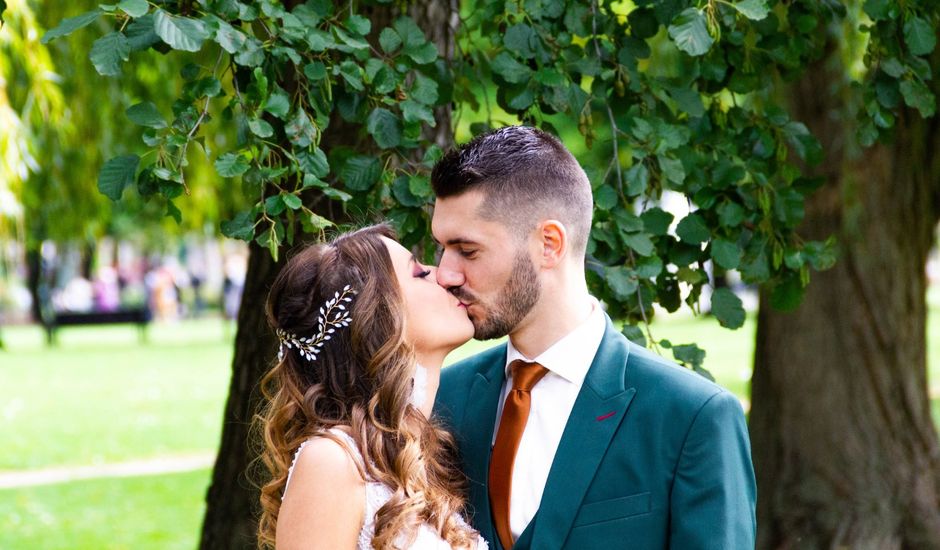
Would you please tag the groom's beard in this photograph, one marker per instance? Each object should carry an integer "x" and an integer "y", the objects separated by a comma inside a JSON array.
[{"x": 514, "y": 301}]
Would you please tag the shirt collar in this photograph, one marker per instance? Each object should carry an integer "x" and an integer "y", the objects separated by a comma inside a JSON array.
[{"x": 572, "y": 355}]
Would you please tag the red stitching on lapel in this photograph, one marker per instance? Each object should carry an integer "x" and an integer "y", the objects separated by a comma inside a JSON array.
[{"x": 606, "y": 416}]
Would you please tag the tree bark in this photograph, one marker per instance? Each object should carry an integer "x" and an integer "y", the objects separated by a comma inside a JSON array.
[
  {"x": 845, "y": 449},
  {"x": 233, "y": 505},
  {"x": 232, "y": 500}
]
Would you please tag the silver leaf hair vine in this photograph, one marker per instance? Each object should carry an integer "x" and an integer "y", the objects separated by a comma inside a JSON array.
[{"x": 334, "y": 314}]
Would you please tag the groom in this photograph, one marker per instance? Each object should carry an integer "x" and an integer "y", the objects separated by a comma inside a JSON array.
[{"x": 571, "y": 436}]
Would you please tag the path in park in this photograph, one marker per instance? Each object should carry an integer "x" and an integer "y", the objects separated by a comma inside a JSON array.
[{"x": 65, "y": 474}]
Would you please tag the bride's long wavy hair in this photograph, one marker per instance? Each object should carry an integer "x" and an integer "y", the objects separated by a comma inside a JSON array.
[{"x": 361, "y": 379}]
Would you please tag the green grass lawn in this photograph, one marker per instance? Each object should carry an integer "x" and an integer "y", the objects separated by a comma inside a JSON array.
[
  {"x": 153, "y": 512},
  {"x": 101, "y": 396}
]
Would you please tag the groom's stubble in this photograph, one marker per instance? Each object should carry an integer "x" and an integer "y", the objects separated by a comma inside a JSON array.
[{"x": 513, "y": 302}]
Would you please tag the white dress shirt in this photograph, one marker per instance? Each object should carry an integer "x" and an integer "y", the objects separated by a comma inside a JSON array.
[{"x": 568, "y": 361}]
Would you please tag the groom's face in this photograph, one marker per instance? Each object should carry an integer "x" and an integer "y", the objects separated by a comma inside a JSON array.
[{"x": 484, "y": 265}]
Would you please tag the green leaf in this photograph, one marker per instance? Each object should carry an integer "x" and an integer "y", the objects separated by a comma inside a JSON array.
[
  {"x": 260, "y": 128},
  {"x": 360, "y": 173},
  {"x": 401, "y": 190},
  {"x": 174, "y": 212},
  {"x": 788, "y": 294},
  {"x": 727, "y": 308},
  {"x": 292, "y": 201},
  {"x": 384, "y": 127},
  {"x": 389, "y": 40},
  {"x": 70, "y": 25},
  {"x": 140, "y": 34},
  {"x": 920, "y": 36},
  {"x": 314, "y": 163},
  {"x": 879, "y": 9},
  {"x": 656, "y": 221},
  {"x": 919, "y": 96},
  {"x": 692, "y": 229},
  {"x": 230, "y": 165},
  {"x": 242, "y": 226},
  {"x": 605, "y": 197},
  {"x": 146, "y": 114},
  {"x": 181, "y": 33},
  {"x": 134, "y": 8},
  {"x": 108, "y": 52},
  {"x": 278, "y": 104},
  {"x": 510, "y": 69},
  {"x": 640, "y": 242},
  {"x": 647, "y": 268},
  {"x": 316, "y": 222},
  {"x": 672, "y": 169},
  {"x": 521, "y": 39},
  {"x": 315, "y": 71},
  {"x": 726, "y": 254},
  {"x": 690, "y": 33},
  {"x": 300, "y": 130},
  {"x": 752, "y": 9},
  {"x": 622, "y": 281},
  {"x": 730, "y": 214},
  {"x": 116, "y": 174},
  {"x": 634, "y": 334},
  {"x": 420, "y": 186},
  {"x": 637, "y": 178},
  {"x": 424, "y": 90},
  {"x": 412, "y": 111},
  {"x": 359, "y": 24},
  {"x": 689, "y": 355},
  {"x": 352, "y": 74},
  {"x": 423, "y": 54},
  {"x": 231, "y": 39}
]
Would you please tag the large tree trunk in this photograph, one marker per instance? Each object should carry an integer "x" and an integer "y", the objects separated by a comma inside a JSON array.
[
  {"x": 233, "y": 505},
  {"x": 232, "y": 500},
  {"x": 845, "y": 450}
]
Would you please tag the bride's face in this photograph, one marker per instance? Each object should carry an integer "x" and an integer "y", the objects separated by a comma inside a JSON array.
[{"x": 435, "y": 320}]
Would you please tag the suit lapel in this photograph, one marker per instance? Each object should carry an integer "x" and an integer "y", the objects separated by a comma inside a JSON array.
[
  {"x": 477, "y": 430},
  {"x": 595, "y": 417}
]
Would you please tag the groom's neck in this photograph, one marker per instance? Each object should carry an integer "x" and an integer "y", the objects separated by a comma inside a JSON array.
[{"x": 563, "y": 305}]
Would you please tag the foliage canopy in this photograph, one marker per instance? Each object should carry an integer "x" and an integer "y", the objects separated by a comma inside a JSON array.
[{"x": 669, "y": 95}]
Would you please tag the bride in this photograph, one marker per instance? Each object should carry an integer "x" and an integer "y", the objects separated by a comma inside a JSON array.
[{"x": 355, "y": 460}]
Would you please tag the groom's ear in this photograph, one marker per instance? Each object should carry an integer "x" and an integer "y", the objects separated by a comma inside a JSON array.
[{"x": 553, "y": 241}]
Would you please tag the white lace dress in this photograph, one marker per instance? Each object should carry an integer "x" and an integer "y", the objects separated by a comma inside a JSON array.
[{"x": 377, "y": 494}]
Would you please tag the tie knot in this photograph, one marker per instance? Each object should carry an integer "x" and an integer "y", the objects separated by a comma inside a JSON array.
[{"x": 526, "y": 375}]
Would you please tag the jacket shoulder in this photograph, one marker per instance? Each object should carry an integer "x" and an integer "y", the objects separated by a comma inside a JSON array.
[{"x": 458, "y": 378}]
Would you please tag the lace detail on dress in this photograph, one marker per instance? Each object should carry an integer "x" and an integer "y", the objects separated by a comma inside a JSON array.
[{"x": 377, "y": 494}]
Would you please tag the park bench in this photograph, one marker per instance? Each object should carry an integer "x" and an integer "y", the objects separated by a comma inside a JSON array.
[{"x": 139, "y": 316}]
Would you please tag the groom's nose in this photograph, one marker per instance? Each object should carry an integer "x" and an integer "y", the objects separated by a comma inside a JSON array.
[{"x": 448, "y": 273}]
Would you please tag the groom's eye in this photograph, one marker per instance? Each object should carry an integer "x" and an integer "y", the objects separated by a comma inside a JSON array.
[{"x": 468, "y": 254}]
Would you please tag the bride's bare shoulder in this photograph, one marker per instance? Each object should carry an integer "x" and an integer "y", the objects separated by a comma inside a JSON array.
[{"x": 324, "y": 500}]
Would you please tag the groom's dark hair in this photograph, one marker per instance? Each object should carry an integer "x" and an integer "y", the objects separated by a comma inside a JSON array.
[{"x": 525, "y": 175}]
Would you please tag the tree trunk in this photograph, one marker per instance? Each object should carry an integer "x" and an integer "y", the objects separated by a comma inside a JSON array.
[
  {"x": 232, "y": 500},
  {"x": 233, "y": 505},
  {"x": 845, "y": 450}
]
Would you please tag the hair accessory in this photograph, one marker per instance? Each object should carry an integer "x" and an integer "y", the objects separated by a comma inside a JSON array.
[{"x": 333, "y": 315}]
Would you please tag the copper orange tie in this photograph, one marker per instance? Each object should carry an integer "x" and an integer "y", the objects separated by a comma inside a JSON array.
[{"x": 511, "y": 425}]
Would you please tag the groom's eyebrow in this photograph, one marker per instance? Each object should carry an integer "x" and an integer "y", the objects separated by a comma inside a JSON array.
[{"x": 455, "y": 240}]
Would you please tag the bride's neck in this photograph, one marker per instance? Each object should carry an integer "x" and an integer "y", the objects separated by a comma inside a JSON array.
[{"x": 432, "y": 365}]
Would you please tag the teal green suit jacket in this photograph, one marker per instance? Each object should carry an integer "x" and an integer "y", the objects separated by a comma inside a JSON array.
[{"x": 653, "y": 455}]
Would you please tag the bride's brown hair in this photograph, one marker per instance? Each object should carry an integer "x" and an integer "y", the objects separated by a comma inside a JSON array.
[{"x": 361, "y": 379}]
